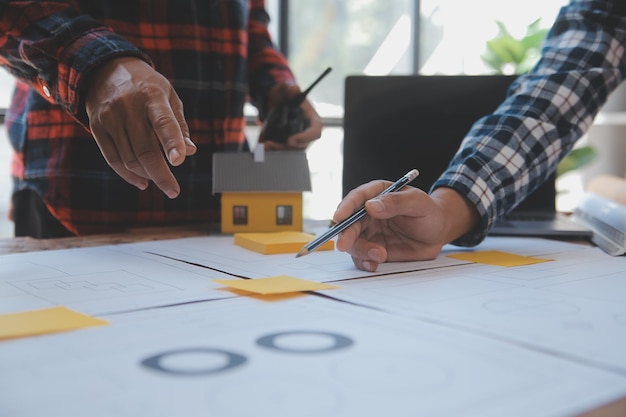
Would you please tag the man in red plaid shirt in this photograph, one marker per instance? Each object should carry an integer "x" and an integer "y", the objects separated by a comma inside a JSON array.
[{"x": 102, "y": 140}]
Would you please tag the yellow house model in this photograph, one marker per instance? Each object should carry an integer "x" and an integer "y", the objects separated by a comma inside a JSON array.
[{"x": 261, "y": 192}]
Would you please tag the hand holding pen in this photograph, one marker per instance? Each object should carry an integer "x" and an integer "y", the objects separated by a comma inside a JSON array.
[{"x": 341, "y": 226}]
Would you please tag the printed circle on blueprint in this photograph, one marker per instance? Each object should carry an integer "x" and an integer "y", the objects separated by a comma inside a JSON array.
[
  {"x": 305, "y": 341},
  {"x": 194, "y": 362}
]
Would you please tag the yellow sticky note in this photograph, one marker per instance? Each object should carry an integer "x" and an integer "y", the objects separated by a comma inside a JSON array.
[
  {"x": 494, "y": 257},
  {"x": 275, "y": 285},
  {"x": 277, "y": 242},
  {"x": 265, "y": 297},
  {"x": 49, "y": 320}
]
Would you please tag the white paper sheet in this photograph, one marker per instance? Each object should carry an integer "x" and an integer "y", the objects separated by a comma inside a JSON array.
[
  {"x": 574, "y": 305},
  {"x": 100, "y": 280},
  {"x": 303, "y": 357},
  {"x": 221, "y": 254}
]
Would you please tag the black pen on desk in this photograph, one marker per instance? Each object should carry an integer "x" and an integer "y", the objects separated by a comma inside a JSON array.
[{"x": 356, "y": 216}]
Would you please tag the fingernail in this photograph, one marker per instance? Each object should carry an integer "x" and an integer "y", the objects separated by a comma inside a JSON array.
[
  {"x": 375, "y": 255},
  {"x": 369, "y": 266},
  {"x": 174, "y": 155},
  {"x": 142, "y": 185},
  {"x": 189, "y": 143},
  {"x": 171, "y": 193},
  {"x": 376, "y": 204}
]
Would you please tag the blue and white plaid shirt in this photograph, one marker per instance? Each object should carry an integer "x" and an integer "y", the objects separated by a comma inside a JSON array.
[{"x": 509, "y": 153}]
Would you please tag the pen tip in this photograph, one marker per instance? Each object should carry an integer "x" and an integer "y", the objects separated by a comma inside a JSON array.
[{"x": 303, "y": 251}]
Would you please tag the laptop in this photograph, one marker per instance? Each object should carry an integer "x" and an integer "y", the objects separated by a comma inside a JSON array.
[{"x": 398, "y": 122}]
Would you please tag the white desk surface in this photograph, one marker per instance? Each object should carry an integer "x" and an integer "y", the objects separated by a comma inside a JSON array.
[{"x": 439, "y": 338}]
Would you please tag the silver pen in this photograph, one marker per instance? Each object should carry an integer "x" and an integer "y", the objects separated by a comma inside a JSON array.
[{"x": 357, "y": 215}]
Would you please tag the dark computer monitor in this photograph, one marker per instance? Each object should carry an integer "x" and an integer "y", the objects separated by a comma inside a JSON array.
[{"x": 395, "y": 123}]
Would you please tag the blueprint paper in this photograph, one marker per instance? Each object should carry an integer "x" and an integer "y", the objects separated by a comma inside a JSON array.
[
  {"x": 574, "y": 305},
  {"x": 221, "y": 254},
  {"x": 306, "y": 357},
  {"x": 100, "y": 280}
]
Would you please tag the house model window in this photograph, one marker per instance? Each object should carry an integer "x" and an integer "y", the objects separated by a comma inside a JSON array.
[
  {"x": 240, "y": 215},
  {"x": 284, "y": 215}
]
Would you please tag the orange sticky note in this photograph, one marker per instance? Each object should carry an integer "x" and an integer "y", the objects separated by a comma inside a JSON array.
[
  {"x": 497, "y": 258},
  {"x": 277, "y": 242},
  {"x": 49, "y": 320},
  {"x": 280, "y": 284}
]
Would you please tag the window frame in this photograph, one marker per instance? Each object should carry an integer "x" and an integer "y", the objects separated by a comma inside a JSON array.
[
  {"x": 240, "y": 215},
  {"x": 283, "y": 42},
  {"x": 283, "y": 31},
  {"x": 286, "y": 217}
]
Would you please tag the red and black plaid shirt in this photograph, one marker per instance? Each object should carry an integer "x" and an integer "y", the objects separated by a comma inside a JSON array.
[{"x": 216, "y": 54}]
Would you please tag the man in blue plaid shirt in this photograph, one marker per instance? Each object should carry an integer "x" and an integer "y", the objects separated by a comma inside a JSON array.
[{"x": 506, "y": 155}]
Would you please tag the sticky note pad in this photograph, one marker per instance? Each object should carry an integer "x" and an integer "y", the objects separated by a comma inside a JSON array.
[
  {"x": 49, "y": 320},
  {"x": 494, "y": 257},
  {"x": 277, "y": 242},
  {"x": 280, "y": 284}
]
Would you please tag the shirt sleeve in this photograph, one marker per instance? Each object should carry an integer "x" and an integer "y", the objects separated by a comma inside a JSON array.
[
  {"x": 51, "y": 47},
  {"x": 508, "y": 154},
  {"x": 266, "y": 65}
]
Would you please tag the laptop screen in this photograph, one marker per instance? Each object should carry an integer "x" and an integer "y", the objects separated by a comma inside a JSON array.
[{"x": 395, "y": 123}]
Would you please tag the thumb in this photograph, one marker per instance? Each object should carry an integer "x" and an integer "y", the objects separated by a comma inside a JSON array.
[
  {"x": 376, "y": 207},
  {"x": 408, "y": 202}
]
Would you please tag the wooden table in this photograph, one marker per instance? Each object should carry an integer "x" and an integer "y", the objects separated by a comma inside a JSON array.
[
  {"x": 140, "y": 234},
  {"x": 28, "y": 244}
]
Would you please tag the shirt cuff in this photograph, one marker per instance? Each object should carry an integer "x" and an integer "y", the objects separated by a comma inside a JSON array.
[
  {"x": 477, "y": 191},
  {"x": 80, "y": 59}
]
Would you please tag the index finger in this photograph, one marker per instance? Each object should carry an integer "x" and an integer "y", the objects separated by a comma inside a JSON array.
[
  {"x": 168, "y": 130},
  {"x": 357, "y": 197},
  {"x": 149, "y": 157}
]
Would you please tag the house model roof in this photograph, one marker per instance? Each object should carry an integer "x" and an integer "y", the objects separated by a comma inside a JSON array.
[{"x": 279, "y": 171}]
